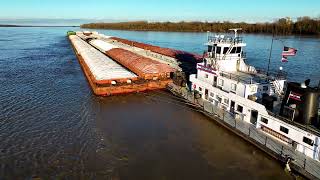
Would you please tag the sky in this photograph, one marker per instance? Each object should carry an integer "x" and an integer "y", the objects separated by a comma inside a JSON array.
[{"x": 159, "y": 10}]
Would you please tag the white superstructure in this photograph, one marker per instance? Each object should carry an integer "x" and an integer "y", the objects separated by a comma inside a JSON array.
[{"x": 225, "y": 80}]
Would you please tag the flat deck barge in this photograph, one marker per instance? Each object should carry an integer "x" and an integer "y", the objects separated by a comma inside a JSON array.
[
  {"x": 126, "y": 73},
  {"x": 179, "y": 60}
]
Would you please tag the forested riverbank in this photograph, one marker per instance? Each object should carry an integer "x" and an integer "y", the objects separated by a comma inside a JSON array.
[{"x": 283, "y": 26}]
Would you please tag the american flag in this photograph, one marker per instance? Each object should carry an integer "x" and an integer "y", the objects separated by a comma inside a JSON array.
[
  {"x": 295, "y": 96},
  {"x": 288, "y": 51},
  {"x": 284, "y": 59}
]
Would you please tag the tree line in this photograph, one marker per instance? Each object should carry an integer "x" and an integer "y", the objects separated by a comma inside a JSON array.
[{"x": 284, "y": 26}]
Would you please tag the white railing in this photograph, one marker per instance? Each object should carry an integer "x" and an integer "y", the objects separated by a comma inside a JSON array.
[
  {"x": 302, "y": 162},
  {"x": 277, "y": 87}
]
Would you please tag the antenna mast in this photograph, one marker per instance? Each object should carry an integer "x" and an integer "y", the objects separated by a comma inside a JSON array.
[
  {"x": 270, "y": 52},
  {"x": 235, "y": 31}
]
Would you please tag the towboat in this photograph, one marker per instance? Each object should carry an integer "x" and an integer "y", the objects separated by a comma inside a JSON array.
[{"x": 287, "y": 111}]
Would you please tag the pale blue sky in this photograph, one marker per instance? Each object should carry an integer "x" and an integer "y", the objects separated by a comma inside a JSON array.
[{"x": 160, "y": 10}]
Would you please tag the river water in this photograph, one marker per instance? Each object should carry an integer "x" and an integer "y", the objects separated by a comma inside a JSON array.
[{"x": 53, "y": 127}]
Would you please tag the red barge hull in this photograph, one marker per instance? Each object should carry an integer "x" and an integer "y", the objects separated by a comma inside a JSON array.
[{"x": 106, "y": 88}]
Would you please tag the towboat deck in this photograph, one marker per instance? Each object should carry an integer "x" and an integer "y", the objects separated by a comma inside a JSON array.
[{"x": 245, "y": 77}]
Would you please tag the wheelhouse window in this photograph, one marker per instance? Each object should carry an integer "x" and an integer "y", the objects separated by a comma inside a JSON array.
[
  {"x": 308, "y": 141},
  {"x": 218, "y": 50},
  {"x": 206, "y": 76},
  {"x": 211, "y": 49},
  {"x": 236, "y": 50},
  {"x": 264, "y": 120},
  {"x": 212, "y": 94},
  {"x": 284, "y": 129},
  {"x": 265, "y": 88},
  {"x": 200, "y": 89},
  {"x": 225, "y": 50},
  {"x": 239, "y": 50},
  {"x": 239, "y": 108},
  {"x": 226, "y": 101}
]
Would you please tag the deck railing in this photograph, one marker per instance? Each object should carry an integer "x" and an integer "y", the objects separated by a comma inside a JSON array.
[
  {"x": 281, "y": 151},
  {"x": 225, "y": 39},
  {"x": 242, "y": 79},
  {"x": 307, "y": 128},
  {"x": 280, "y": 75}
]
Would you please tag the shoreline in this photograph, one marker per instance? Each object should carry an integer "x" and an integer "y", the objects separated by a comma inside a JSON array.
[
  {"x": 156, "y": 30},
  {"x": 281, "y": 26},
  {"x": 165, "y": 31},
  {"x": 8, "y": 26}
]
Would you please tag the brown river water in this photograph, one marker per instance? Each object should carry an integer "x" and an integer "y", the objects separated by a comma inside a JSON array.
[{"x": 53, "y": 127}]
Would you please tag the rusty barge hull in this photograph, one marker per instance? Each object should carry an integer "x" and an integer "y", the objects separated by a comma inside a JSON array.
[
  {"x": 109, "y": 90},
  {"x": 173, "y": 53},
  {"x": 106, "y": 88}
]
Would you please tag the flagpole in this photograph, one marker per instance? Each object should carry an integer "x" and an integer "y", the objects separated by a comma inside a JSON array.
[{"x": 270, "y": 51}]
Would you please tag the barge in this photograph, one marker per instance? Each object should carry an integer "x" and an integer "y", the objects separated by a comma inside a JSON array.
[
  {"x": 180, "y": 60},
  {"x": 145, "y": 68},
  {"x": 112, "y": 70}
]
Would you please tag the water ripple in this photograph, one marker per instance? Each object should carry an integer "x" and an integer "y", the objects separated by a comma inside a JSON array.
[{"x": 53, "y": 127}]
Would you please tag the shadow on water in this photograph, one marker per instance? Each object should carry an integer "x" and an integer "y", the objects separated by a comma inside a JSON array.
[
  {"x": 188, "y": 64},
  {"x": 155, "y": 136}
]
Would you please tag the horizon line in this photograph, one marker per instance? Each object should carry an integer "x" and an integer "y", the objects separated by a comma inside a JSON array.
[
  {"x": 150, "y": 20},
  {"x": 74, "y": 22}
]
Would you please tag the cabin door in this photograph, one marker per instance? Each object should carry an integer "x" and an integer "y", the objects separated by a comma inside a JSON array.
[
  {"x": 232, "y": 106},
  {"x": 206, "y": 94},
  {"x": 215, "y": 79},
  {"x": 254, "y": 117}
]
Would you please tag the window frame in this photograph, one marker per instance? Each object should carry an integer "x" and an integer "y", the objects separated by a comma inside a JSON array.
[
  {"x": 305, "y": 140},
  {"x": 284, "y": 129},
  {"x": 225, "y": 50},
  {"x": 221, "y": 82},
  {"x": 239, "y": 49},
  {"x": 210, "y": 48},
  {"x": 226, "y": 100},
  {"x": 219, "y": 99},
  {"x": 240, "y": 108},
  {"x": 264, "y": 120},
  {"x": 233, "y": 85},
  {"x": 218, "y": 50},
  {"x": 233, "y": 50}
]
